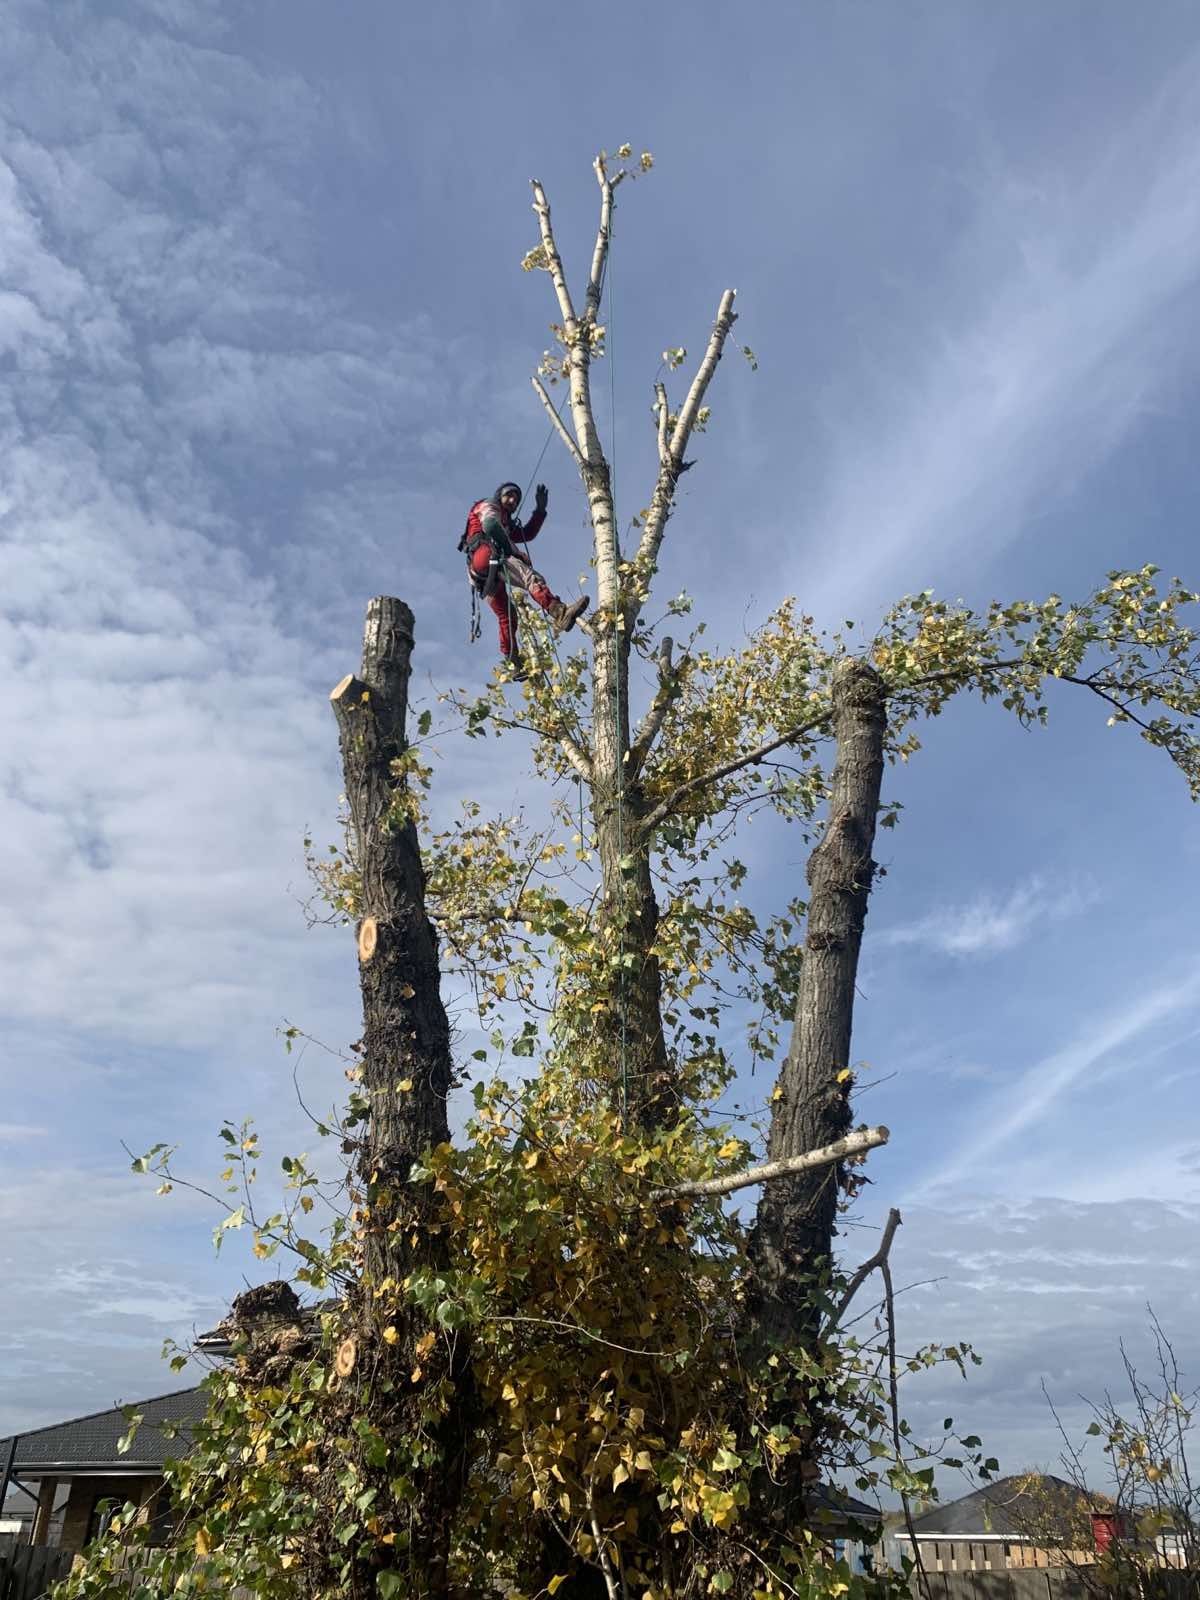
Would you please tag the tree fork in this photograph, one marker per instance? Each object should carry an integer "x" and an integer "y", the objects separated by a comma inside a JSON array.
[{"x": 406, "y": 1076}]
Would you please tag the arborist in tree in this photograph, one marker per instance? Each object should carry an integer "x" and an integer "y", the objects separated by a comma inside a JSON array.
[{"x": 495, "y": 568}]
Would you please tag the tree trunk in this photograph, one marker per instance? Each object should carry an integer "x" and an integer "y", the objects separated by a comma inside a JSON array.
[
  {"x": 641, "y": 1082},
  {"x": 795, "y": 1224},
  {"x": 406, "y": 1076}
]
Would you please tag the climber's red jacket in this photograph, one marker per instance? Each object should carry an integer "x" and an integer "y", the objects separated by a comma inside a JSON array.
[{"x": 487, "y": 520}]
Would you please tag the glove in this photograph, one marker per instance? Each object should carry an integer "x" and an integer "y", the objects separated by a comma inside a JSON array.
[{"x": 542, "y": 498}]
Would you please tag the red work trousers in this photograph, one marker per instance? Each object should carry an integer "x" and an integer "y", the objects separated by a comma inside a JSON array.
[{"x": 519, "y": 575}]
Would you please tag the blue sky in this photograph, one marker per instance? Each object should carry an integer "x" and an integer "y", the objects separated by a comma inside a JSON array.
[{"x": 264, "y": 337}]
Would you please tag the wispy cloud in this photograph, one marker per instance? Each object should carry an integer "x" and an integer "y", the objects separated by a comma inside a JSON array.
[
  {"x": 1028, "y": 1099},
  {"x": 1043, "y": 1289},
  {"x": 12, "y": 1132},
  {"x": 1053, "y": 332},
  {"x": 990, "y": 923}
]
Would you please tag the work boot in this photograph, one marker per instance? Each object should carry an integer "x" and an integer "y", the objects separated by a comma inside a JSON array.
[{"x": 564, "y": 617}]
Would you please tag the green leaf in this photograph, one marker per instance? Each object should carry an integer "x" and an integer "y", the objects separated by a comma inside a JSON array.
[{"x": 389, "y": 1584}]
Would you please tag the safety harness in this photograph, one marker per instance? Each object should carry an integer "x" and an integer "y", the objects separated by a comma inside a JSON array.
[{"x": 482, "y": 588}]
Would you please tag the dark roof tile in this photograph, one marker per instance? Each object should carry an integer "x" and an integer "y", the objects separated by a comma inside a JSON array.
[
  {"x": 91, "y": 1441},
  {"x": 1001, "y": 1507}
]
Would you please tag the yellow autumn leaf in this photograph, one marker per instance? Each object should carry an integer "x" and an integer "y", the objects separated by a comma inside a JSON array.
[
  {"x": 203, "y": 1542},
  {"x": 620, "y": 1475},
  {"x": 404, "y": 1086},
  {"x": 729, "y": 1148},
  {"x": 389, "y": 1334},
  {"x": 844, "y": 1074},
  {"x": 643, "y": 1462},
  {"x": 556, "y": 1582}
]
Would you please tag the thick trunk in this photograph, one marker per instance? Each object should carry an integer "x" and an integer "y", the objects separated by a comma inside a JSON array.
[
  {"x": 642, "y": 1082},
  {"x": 406, "y": 1076},
  {"x": 794, "y": 1229}
]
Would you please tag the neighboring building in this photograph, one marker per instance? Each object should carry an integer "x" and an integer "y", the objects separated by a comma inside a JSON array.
[
  {"x": 844, "y": 1517},
  {"x": 1030, "y": 1520},
  {"x": 16, "y": 1515},
  {"x": 81, "y": 1477}
]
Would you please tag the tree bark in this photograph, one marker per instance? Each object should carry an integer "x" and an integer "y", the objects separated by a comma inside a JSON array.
[
  {"x": 406, "y": 1077},
  {"x": 794, "y": 1229}
]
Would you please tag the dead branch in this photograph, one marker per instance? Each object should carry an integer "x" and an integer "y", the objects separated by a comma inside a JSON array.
[
  {"x": 662, "y": 411},
  {"x": 864, "y": 1272},
  {"x": 894, "y": 1407},
  {"x": 671, "y": 459},
  {"x": 669, "y": 679},
  {"x": 854, "y": 1144}
]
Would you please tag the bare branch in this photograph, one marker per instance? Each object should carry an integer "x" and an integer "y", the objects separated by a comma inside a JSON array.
[
  {"x": 668, "y": 690},
  {"x": 558, "y": 422},
  {"x": 577, "y": 756},
  {"x": 727, "y": 768},
  {"x": 857, "y": 1143},
  {"x": 602, "y": 1555},
  {"x": 923, "y": 1588},
  {"x": 663, "y": 411},
  {"x": 864, "y": 1272},
  {"x": 671, "y": 457},
  {"x": 726, "y": 317},
  {"x": 554, "y": 262},
  {"x": 595, "y": 286}
]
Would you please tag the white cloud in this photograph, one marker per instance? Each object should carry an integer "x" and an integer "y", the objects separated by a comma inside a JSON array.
[
  {"x": 1043, "y": 1289},
  {"x": 1053, "y": 332},
  {"x": 990, "y": 923},
  {"x": 1027, "y": 1099}
]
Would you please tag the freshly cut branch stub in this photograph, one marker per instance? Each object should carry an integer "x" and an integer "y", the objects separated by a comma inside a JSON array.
[
  {"x": 347, "y": 1354},
  {"x": 368, "y": 938}
]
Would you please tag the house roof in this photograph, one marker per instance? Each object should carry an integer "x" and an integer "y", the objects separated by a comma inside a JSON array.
[
  {"x": 88, "y": 1444},
  {"x": 1004, "y": 1507},
  {"x": 827, "y": 1497}
]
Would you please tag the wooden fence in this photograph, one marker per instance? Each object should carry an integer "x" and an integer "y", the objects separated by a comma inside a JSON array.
[
  {"x": 1044, "y": 1583},
  {"x": 27, "y": 1571}
]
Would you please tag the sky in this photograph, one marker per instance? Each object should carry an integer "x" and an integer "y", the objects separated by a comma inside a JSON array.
[{"x": 264, "y": 337}]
